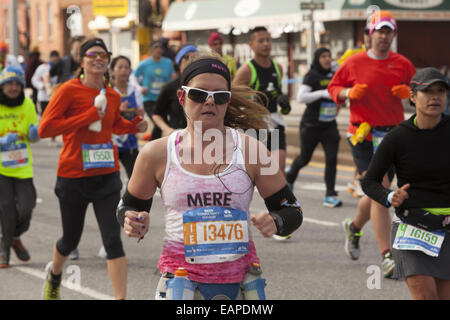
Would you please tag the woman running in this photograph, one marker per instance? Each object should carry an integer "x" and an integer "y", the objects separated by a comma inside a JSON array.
[
  {"x": 88, "y": 169},
  {"x": 419, "y": 148},
  {"x": 318, "y": 124},
  {"x": 132, "y": 105},
  {"x": 207, "y": 197}
]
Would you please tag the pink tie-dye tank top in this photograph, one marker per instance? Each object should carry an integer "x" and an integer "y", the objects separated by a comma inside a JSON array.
[{"x": 182, "y": 191}]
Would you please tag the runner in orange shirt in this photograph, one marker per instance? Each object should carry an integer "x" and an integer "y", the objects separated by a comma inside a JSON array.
[
  {"x": 88, "y": 169},
  {"x": 375, "y": 81}
]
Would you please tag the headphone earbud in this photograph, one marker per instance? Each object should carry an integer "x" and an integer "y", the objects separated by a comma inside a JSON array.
[{"x": 181, "y": 98}]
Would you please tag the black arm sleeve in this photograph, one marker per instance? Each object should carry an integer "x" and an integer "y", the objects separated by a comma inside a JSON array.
[
  {"x": 130, "y": 202},
  {"x": 381, "y": 161},
  {"x": 285, "y": 210}
]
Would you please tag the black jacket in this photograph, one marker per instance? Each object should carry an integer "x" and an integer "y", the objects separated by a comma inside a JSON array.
[{"x": 421, "y": 158}]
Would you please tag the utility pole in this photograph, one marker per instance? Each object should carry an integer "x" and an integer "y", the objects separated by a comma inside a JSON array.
[
  {"x": 14, "y": 46},
  {"x": 311, "y": 6}
]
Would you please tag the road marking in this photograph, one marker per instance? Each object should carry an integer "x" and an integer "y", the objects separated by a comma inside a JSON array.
[
  {"x": 83, "y": 290},
  {"x": 320, "y": 174},
  {"x": 318, "y": 186},
  {"x": 321, "y": 222}
]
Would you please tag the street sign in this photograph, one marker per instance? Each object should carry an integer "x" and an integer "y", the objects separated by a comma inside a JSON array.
[
  {"x": 312, "y": 5},
  {"x": 110, "y": 8}
]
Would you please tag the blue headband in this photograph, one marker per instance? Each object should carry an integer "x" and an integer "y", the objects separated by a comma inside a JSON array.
[{"x": 183, "y": 51}]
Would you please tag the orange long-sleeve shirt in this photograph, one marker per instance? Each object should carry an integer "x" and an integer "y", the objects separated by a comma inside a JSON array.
[
  {"x": 378, "y": 106},
  {"x": 69, "y": 113}
]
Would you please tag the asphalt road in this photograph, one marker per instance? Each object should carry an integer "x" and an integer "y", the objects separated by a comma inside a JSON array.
[{"x": 311, "y": 265}]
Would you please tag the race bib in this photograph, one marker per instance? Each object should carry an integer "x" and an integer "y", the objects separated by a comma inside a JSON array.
[
  {"x": 98, "y": 156},
  {"x": 327, "y": 111},
  {"x": 377, "y": 137},
  {"x": 414, "y": 238},
  {"x": 215, "y": 234},
  {"x": 156, "y": 85},
  {"x": 14, "y": 155}
]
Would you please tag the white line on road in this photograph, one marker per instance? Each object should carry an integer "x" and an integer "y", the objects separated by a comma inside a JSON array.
[
  {"x": 321, "y": 222},
  {"x": 83, "y": 290}
]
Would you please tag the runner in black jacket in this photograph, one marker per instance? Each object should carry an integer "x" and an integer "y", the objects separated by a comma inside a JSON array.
[
  {"x": 419, "y": 148},
  {"x": 318, "y": 124}
]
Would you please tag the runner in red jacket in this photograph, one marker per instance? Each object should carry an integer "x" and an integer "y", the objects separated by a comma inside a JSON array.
[{"x": 375, "y": 81}]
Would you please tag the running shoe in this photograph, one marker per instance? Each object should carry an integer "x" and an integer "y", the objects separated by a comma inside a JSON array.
[
  {"x": 388, "y": 265},
  {"x": 355, "y": 189},
  {"x": 21, "y": 253},
  {"x": 332, "y": 202},
  {"x": 4, "y": 263},
  {"x": 102, "y": 252},
  {"x": 351, "y": 246},
  {"x": 358, "y": 193},
  {"x": 281, "y": 238},
  {"x": 51, "y": 288},
  {"x": 351, "y": 188},
  {"x": 74, "y": 255}
]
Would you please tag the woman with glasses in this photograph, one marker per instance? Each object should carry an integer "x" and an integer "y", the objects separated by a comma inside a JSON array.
[
  {"x": 206, "y": 174},
  {"x": 88, "y": 169}
]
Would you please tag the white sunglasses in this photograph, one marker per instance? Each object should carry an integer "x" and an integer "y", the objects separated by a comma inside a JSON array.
[{"x": 200, "y": 96}]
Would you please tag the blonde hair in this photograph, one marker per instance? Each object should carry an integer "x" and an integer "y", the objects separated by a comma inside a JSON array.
[{"x": 246, "y": 109}]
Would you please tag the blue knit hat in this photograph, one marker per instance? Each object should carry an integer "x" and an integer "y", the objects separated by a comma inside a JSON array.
[{"x": 12, "y": 73}]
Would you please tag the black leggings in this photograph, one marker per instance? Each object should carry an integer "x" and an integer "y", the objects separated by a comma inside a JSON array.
[
  {"x": 309, "y": 138},
  {"x": 74, "y": 197},
  {"x": 17, "y": 200},
  {"x": 128, "y": 159}
]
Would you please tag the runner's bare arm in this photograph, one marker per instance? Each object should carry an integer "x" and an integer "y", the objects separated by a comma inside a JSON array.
[
  {"x": 243, "y": 76},
  {"x": 133, "y": 210},
  {"x": 147, "y": 169}
]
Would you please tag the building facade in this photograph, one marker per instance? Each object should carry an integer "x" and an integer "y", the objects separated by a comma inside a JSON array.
[{"x": 47, "y": 24}]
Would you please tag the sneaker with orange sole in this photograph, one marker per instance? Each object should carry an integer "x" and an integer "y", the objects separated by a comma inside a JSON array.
[{"x": 21, "y": 253}]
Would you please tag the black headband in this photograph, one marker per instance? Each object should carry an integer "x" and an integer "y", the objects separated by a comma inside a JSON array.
[
  {"x": 207, "y": 65},
  {"x": 92, "y": 43}
]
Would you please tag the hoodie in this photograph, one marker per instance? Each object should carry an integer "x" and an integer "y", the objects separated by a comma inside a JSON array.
[
  {"x": 317, "y": 78},
  {"x": 421, "y": 158}
]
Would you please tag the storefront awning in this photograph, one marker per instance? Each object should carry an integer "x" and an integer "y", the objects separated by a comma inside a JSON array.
[
  {"x": 246, "y": 14},
  {"x": 402, "y": 10}
]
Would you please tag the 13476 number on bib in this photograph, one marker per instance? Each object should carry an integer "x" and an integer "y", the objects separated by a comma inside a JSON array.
[{"x": 215, "y": 234}]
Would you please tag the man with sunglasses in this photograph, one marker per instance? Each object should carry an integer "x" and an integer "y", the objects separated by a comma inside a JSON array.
[{"x": 152, "y": 74}]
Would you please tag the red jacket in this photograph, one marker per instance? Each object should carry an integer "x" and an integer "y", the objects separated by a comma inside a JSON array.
[{"x": 378, "y": 106}]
